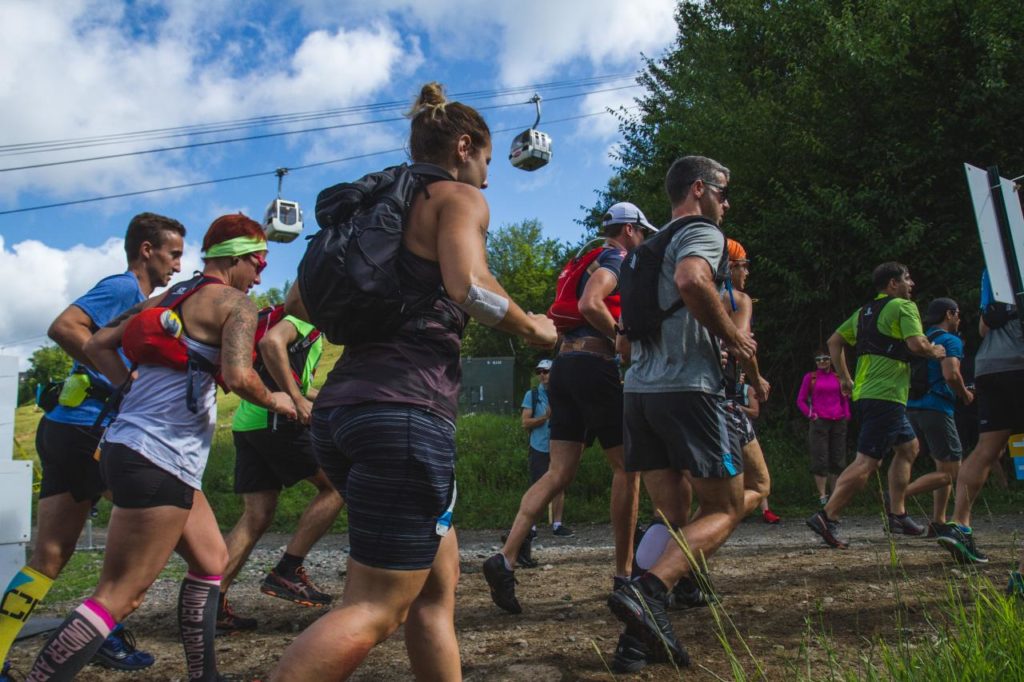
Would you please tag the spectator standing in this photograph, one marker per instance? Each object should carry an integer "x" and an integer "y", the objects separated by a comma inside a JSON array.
[{"x": 821, "y": 400}]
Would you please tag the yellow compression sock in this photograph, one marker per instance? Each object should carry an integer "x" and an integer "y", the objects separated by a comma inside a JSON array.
[{"x": 26, "y": 589}]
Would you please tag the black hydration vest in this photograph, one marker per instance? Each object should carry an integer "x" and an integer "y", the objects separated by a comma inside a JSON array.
[{"x": 871, "y": 341}]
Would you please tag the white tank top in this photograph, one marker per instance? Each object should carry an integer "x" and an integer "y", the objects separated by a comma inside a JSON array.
[{"x": 155, "y": 421}]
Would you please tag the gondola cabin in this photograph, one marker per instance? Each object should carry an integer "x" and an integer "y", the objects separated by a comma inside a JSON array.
[
  {"x": 531, "y": 149},
  {"x": 283, "y": 221}
]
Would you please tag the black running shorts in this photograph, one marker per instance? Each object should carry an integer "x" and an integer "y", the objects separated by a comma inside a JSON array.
[
  {"x": 68, "y": 456},
  {"x": 585, "y": 394},
  {"x": 883, "y": 426},
  {"x": 395, "y": 466},
  {"x": 137, "y": 483},
  {"x": 272, "y": 460},
  {"x": 540, "y": 462},
  {"x": 999, "y": 404},
  {"x": 683, "y": 430}
]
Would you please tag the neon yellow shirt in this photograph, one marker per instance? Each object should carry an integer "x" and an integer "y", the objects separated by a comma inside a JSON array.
[
  {"x": 878, "y": 377},
  {"x": 249, "y": 417}
]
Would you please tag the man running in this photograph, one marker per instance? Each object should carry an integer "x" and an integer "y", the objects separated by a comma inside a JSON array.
[
  {"x": 885, "y": 332},
  {"x": 272, "y": 454},
  {"x": 66, "y": 440},
  {"x": 931, "y": 414},
  {"x": 586, "y": 402},
  {"x": 676, "y": 416},
  {"x": 998, "y": 375}
]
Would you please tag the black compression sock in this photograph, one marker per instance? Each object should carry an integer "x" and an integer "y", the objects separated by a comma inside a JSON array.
[
  {"x": 197, "y": 617},
  {"x": 288, "y": 564},
  {"x": 73, "y": 644},
  {"x": 652, "y": 585}
]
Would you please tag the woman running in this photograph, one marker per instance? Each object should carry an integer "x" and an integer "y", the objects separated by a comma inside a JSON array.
[
  {"x": 384, "y": 423},
  {"x": 154, "y": 454}
]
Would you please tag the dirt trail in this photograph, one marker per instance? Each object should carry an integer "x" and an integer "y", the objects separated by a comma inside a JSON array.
[{"x": 778, "y": 583}]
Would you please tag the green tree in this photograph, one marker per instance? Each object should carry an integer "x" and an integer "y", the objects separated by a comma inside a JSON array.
[
  {"x": 48, "y": 363},
  {"x": 527, "y": 265},
  {"x": 271, "y": 297},
  {"x": 846, "y": 126}
]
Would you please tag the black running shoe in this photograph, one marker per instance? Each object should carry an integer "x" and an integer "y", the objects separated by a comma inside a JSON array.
[
  {"x": 692, "y": 593},
  {"x": 524, "y": 557},
  {"x": 902, "y": 525},
  {"x": 630, "y": 654},
  {"x": 960, "y": 544},
  {"x": 228, "y": 621},
  {"x": 502, "y": 583},
  {"x": 1015, "y": 588},
  {"x": 646, "y": 616},
  {"x": 297, "y": 588},
  {"x": 827, "y": 529},
  {"x": 563, "y": 531},
  {"x": 119, "y": 652}
]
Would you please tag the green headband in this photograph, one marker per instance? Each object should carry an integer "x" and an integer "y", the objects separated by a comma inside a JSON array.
[{"x": 237, "y": 246}]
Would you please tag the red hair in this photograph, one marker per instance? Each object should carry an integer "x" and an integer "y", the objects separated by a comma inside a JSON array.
[{"x": 230, "y": 226}]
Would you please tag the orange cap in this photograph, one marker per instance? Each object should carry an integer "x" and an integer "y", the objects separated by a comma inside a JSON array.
[{"x": 736, "y": 250}]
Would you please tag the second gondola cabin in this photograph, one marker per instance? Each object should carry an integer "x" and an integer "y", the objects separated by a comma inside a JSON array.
[{"x": 283, "y": 220}]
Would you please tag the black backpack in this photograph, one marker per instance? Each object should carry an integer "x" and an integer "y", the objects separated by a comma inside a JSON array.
[
  {"x": 919, "y": 384},
  {"x": 997, "y": 314},
  {"x": 348, "y": 277},
  {"x": 642, "y": 315},
  {"x": 870, "y": 339}
]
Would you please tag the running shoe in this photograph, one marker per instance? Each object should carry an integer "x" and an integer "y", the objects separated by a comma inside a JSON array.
[
  {"x": 297, "y": 588},
  {"x": 827, "y": 529},
  {"x": 902, "y": 524},
  {"x": 524, "y": 557},
  {"x": 692, "y": 593},
  {"x": 770, "y": 517},
  {"x": 933, "y": 529},
  {"x": 118, "y": 652},
  {"x": 563, "y": 531},
  {"x": 822, "y": 501},
  {"x": 630, "y": 654},
  {"x": 229, "y": 621},
  {"x": 647, "y": 618},
  {"x": 960, "y": 544},
  {"x": 502, "y": 582},
  {"x": 1015, "y": 588}
]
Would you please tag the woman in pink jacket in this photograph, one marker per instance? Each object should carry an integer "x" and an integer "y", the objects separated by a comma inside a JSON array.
[{"x": 823, "y": 403}]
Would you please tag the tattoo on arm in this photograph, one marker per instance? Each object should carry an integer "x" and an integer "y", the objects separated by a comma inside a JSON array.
[{"x": 238, "y": 334}]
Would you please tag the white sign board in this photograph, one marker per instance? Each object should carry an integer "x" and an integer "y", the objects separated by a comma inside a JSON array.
[{"x": 988, "y": 230}]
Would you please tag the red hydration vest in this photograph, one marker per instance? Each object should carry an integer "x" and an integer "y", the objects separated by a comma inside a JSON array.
[{"x": 565, "y": 311}]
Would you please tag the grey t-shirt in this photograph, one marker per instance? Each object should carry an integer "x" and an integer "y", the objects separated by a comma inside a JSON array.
[
  {"x": 684, "y": 356},
  {"x": 1002, "y": 350}
]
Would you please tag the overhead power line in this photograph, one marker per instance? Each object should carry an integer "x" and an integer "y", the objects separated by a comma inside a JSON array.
[
  {"x": 247, "y": 176},
  {"x": 285, "y": 133},
  {"x": 286, "y": 118}
]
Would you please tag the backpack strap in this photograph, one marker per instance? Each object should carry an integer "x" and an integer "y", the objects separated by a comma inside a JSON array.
[{"x": 534, "y": 394}]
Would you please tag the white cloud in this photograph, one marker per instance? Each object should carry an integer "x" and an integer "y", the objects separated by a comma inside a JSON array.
[
  {"x": 77, "y": 69},
  {"x": 41, "y": 281}
]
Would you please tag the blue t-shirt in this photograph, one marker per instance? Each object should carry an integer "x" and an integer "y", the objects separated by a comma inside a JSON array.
[
  {"x": 610, "y": 259},
  {"x": 540, "y": 437},
  {"x": 940, "y": 397},
  {"x": 109, "y": 298}
]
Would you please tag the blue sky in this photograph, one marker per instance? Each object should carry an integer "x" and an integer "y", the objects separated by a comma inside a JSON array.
[{"x": 77, "y": 68}]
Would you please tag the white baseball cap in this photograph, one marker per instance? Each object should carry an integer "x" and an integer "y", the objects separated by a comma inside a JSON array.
[
  {"x": 544, "y": 364},
  {"x": 625, "y": 212}
]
